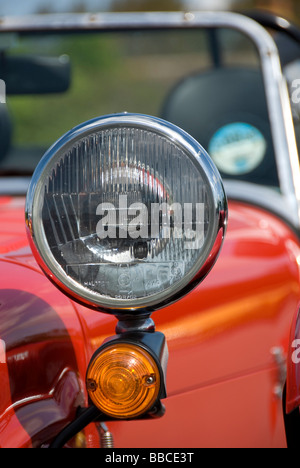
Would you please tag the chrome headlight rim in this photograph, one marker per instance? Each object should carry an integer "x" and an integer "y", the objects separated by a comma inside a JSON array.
[{"x": 218, "y": 215}]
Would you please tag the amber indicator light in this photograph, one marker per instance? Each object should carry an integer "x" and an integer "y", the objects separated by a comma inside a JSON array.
[{"x": 123, "y": 381}]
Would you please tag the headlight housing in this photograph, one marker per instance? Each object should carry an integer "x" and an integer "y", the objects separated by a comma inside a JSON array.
[{"x": 126, "y": 213}]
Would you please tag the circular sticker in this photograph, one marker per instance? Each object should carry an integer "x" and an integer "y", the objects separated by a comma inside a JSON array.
[{"x": 237, "y": 148}]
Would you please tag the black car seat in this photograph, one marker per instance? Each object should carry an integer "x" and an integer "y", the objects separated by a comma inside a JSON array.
[{"x": 206, "y": 102}]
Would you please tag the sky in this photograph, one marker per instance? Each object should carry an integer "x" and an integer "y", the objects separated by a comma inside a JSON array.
[{"x": 21, "y": 7}]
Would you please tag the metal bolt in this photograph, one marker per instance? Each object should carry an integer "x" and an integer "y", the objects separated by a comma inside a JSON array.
[
  {"x": 150, "y": 380},
  {"x": 91, "y": 385}
]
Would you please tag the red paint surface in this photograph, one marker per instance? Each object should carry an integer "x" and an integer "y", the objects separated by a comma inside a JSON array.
[{"x": 221, "y": 372}]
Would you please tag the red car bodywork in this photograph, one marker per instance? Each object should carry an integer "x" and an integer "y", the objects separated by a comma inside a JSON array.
[{"x": 219, "y": 369}]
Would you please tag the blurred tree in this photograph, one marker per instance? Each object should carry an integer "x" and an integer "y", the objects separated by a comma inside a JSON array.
[
  {"x": 275, "y": 5},
  {"x": 147, "y": 5},
  {"x": 287, "y": 8},
  {"x": 80, "y": 7},
  {"x": 43, "y": 10}
]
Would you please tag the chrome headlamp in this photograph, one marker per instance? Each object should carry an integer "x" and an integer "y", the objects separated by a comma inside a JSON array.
[{"x": 126, "y": 212}]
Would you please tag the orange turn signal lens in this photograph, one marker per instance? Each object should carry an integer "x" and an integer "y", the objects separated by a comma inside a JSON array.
[{"x": 123, "y": 381}]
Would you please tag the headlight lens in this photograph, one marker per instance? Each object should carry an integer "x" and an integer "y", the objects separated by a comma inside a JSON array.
[{"x": 126, "y": 212}]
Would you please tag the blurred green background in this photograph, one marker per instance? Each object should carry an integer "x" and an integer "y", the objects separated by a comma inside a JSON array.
[{"x": 112, "y": 73}]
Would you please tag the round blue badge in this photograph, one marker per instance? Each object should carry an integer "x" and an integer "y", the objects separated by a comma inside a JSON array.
[{"x": 237, "y": 148}]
